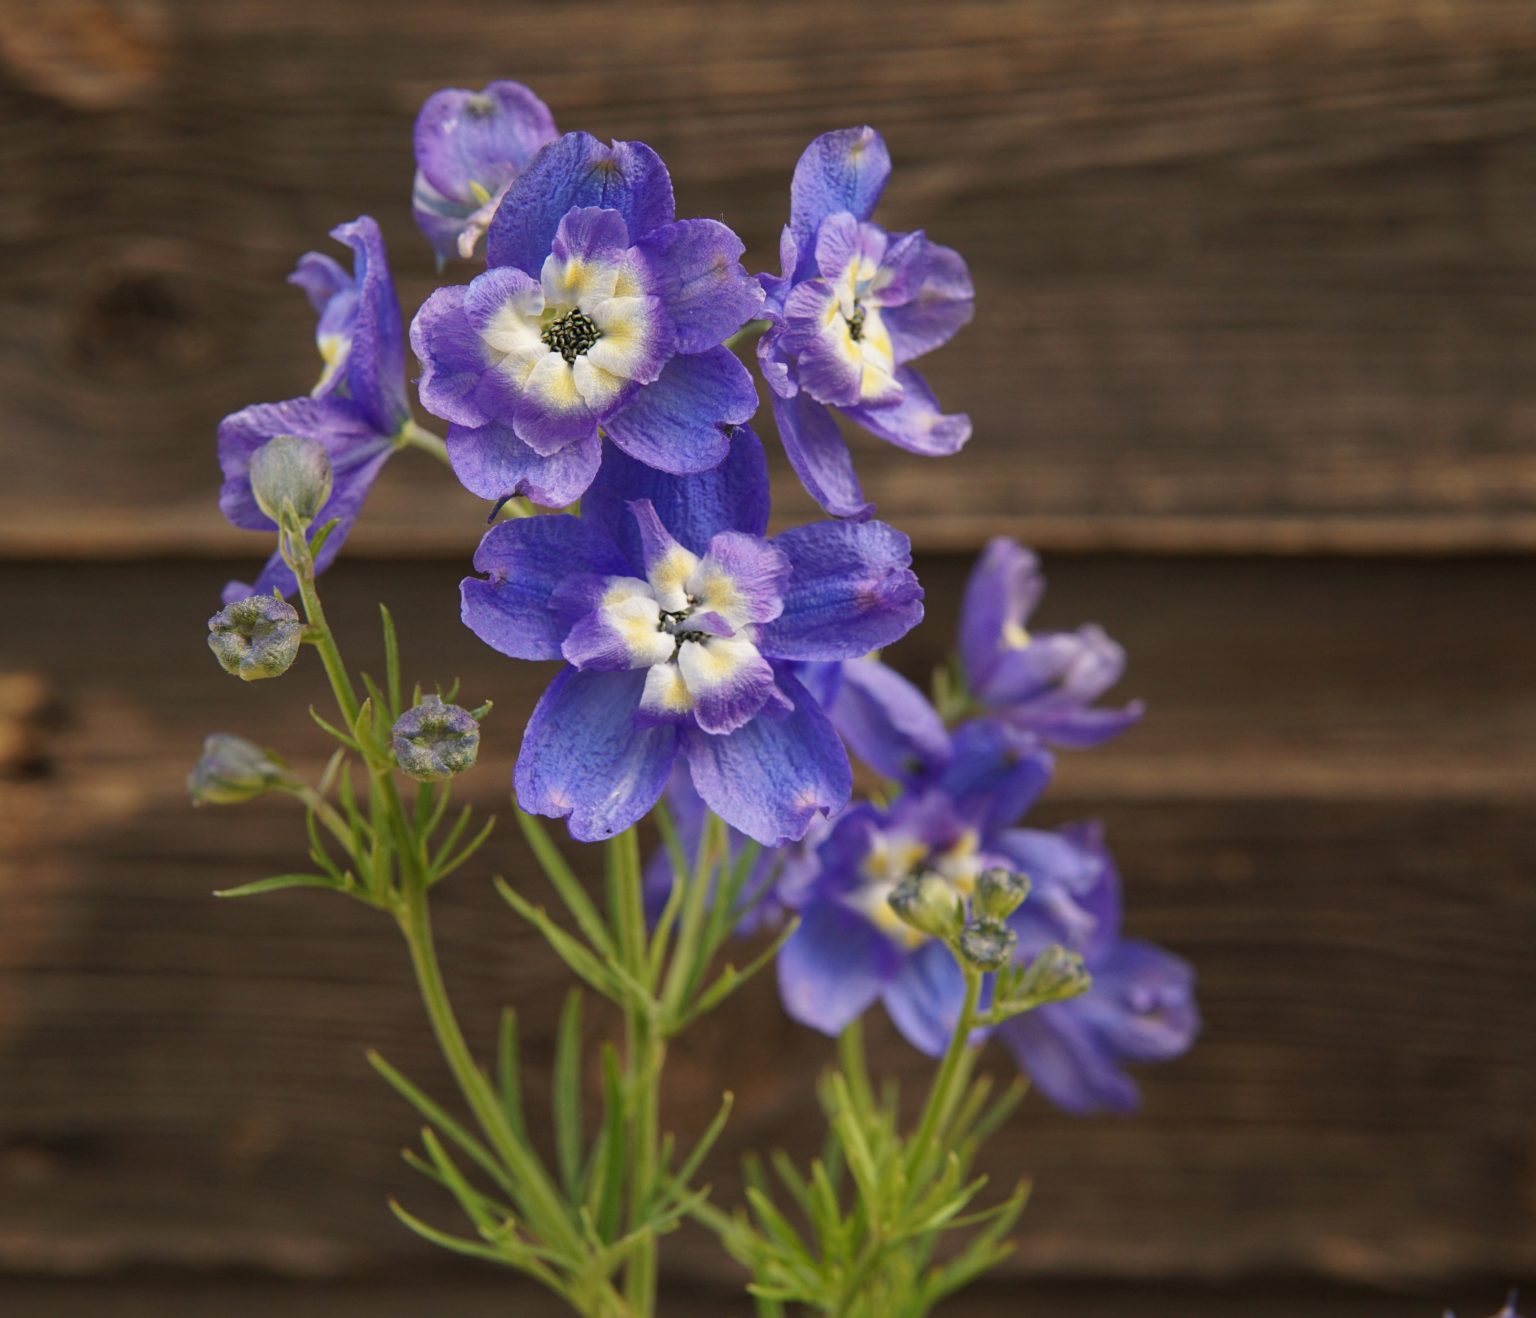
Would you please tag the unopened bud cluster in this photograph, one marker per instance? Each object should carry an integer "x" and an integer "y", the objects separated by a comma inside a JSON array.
[{"x": 929, "y": 903}]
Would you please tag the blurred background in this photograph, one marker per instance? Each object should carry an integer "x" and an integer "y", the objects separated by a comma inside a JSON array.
[{"x": 1254, "y": 366}]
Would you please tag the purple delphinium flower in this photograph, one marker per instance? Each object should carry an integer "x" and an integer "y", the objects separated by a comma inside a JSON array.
[
  {"x": 469, "y": 148},
  {"x": 853, "y": 306},
  {"x": 1044, "y": 683},
  {"x": 677, "y": 620},
  {"x": 357, "y": 410},
  {"x": 852, "y": 949},
  {"x": 1139, "y": 1008},
  {"x": 599, "y": 315}
]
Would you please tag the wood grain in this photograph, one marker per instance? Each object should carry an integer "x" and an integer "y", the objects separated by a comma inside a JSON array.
[
  {"x": 184, "y": 1079},
  {"x": 1254, "y": 276},
  {"x": 455, "y": 1295}
]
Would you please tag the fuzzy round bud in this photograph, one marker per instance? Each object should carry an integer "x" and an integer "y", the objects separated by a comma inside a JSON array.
[
  {"x": 433, "y": 741},
  {"x": 988, "y": 944},
  {"x": 289, "y": 471},
  {"x": 999, "y": 892},
  {"x": 256, "y": 637},
  {"x": 231, "y": 770},
  {"x": 1054, "y": 975},
  {"x": 929, "y": 904}
]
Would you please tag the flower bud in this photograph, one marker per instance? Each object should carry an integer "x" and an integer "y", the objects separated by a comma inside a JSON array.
[
  {"x": 928, "y": 903},
  {"x": 256, "y": 637},
  {"x": 988, "y": 944},
  {"x": 291, "y": 471},
  {"x": 1054, "y": 975},
  {"x": 434, "y": 741},
  {"x": 231, "y": 770},
  {"x": 999, "y": 892}
]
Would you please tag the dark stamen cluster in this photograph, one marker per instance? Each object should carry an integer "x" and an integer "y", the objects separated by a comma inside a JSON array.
[
  {"x": 856, "y": 324},
  {"x": 571, "y": 335},
  {"x": 672, "y": 623}
]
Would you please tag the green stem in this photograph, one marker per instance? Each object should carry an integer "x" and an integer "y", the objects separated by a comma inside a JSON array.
[
  {"x": 415, "y": 436},
  {"x": 325, "y": 643},
  {"x": 941, "y": 1098},
  {"x": 645, "y": 1052},
  {"x": 544, "y": 1205}
]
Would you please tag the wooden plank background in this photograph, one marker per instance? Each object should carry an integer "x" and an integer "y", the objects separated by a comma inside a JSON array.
[{"x": 1252, "y": 359}]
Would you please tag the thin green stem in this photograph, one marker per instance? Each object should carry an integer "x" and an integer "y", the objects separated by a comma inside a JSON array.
[
  {"x": 325, "y": 643},
  {"x": 645, "y": 1051},
  {"x": 946, "y": 1085},
  {"x": 415, "y": 436}
]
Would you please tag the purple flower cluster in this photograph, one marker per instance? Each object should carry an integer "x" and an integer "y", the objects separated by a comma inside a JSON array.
[{"x": 590, "y": 365}]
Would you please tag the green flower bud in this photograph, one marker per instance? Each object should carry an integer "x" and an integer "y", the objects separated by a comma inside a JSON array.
[
  {"x": 231, "y": 770},
  {"x": 1054, "y": 975},
  {"x": 999, "y": 892},
  {"x": 256, "y": 637},
  {"x": 294, "y": 472},
  {"x": 929, "y": 904},
  {"x": 988, "y": 944},
  {"x": 434, "y": 740}
]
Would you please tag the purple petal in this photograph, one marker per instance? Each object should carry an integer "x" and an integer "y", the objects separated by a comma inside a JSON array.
[
  {"x": 887, "y": 722},
  {"x": 375, "y": 368},
  {"x": 676, "y": 425},
  {"x": 755, "y": 576},
  {"x": 453, "y": 358},
  {"x": 913, "y": 421},
  {"x": 774, "y": 362},
  {"x": 833, "y": 967},
  {"x": 732, "y": 496},
  {"x": 523, "y": 562},
  {"x": 1143, "y": 1002},
  {"x": 852, "y": 591},
  {"x": 770, "y": 778},
  {"x": 926, "y": 296},
  {"x": 1079, "y": 729},
  {"x": 1068, "y": 1061},
  {"x": 817, "y": 341},
  {"x": 699, "y": 276},
  {"x": 494, "y": 463},
  {"x": 321, "y": 278},
  {"x": 819, "y": 456},
  {"x": 840, "y": 171},
  {"x": 590, "y": 233},
  {"x": 925, "y": 998},
  {"x": 586, "y": 759},
  {"x": 1003, "y": 589},
  {"x": 842, "y": 240},
  {"x": 485, "y": 138},
  {"x": 578, "y": 170},
  {"x": 996, "y": 774},
  {"x": 730, "y": 684}
]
